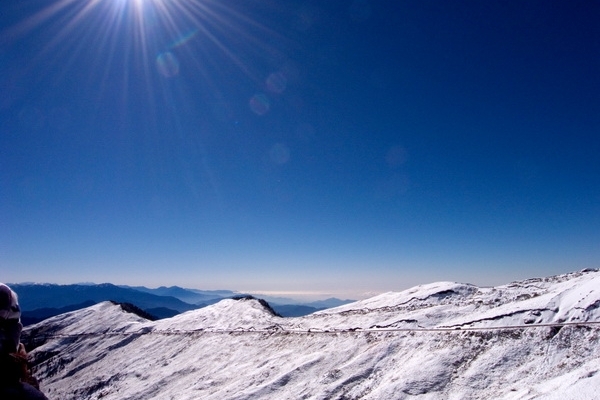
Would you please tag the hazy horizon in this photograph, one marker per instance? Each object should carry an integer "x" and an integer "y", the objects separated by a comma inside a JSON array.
[{"x": 308, "y": 296}]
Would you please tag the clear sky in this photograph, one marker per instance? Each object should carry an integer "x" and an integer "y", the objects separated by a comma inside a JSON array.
[{"x": 339, "y": 147}]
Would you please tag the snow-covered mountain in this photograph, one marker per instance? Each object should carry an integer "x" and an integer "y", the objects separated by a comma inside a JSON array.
[{"x": 534, "y": 339}]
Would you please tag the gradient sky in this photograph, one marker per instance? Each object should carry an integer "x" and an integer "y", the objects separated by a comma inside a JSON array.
[{"x": 340, "y": 147}]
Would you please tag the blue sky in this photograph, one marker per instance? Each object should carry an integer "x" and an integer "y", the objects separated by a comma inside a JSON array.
[{"x": 302, "y": 147}]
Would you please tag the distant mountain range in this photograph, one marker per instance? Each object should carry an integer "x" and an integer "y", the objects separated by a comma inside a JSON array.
[
  {"x": 41, "y": 301},
  {"x": 191, "y": 296},
  {"x": 534, "y": 339}
]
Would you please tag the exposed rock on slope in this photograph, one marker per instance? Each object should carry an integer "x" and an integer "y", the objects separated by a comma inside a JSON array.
[{"x": 533, "y": 339}]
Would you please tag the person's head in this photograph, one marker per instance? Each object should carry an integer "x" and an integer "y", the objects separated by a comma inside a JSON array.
[{"x": 10, "y": 320}]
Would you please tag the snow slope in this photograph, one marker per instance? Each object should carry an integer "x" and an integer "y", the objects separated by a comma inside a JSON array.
[{"x": 535, "y": 339}]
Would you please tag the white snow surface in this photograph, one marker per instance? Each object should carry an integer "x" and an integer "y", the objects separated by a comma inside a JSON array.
[{"x": 534, "y": 339}]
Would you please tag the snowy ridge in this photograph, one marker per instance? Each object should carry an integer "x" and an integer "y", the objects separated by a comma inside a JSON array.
[
  {"x": 228, "y": 314},
  {"x": 567, "y": 298},
  {"x": 393, "y": 346},
  {"x": 105, "y": 317}
]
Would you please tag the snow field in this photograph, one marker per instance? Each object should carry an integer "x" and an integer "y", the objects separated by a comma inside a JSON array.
[{"x": 238, "y": 350}]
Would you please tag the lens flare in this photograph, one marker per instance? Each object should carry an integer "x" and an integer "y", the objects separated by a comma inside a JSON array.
[
  {"x": 279, "y": 154},
  {"x": 260, "y": 104},
  {"x": 276, "y": 82},
  {"x": 167, "y": 64},
  {"x": 183, "y": 39}
]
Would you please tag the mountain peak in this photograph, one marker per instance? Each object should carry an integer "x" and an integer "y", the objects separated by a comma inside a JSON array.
[
  {"x": 262, "y": 302},
  {"x": 242, "y": 313}
]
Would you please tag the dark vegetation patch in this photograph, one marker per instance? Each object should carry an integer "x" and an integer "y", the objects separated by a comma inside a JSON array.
[
  {"x": 262, "y": 302},
  {"x": 443, "y": 294},
  {"x": 593, "y": 306},
  {"x": 553, "y": 332},
  {"x": 130, "y": 308}
]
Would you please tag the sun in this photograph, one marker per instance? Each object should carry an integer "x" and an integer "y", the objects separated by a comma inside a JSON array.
[
  {"x": 140, "y": 48},
  {"x": 67, "y": 30}
]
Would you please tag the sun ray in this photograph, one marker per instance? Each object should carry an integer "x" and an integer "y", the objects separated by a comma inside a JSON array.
[{"x": 129, "y": 41}]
